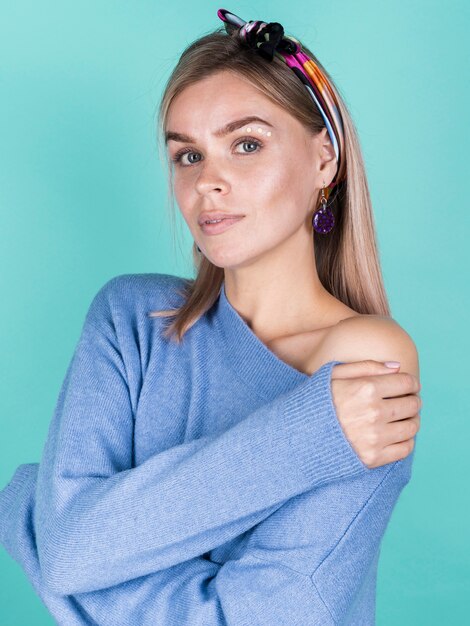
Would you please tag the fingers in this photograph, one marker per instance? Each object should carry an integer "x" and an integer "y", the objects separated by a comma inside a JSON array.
[
  {"x": 394, "y": 409},
  {"x": 390, "y": 385},
  {"x": 355, "y": 369},
  {"x": 395, "y": 452},
  {"x": 402, "y": 431},
  {"x": 389, "y": 382}
]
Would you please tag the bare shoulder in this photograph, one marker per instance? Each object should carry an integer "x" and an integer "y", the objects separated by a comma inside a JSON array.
[{"x": 377, "y": 337}]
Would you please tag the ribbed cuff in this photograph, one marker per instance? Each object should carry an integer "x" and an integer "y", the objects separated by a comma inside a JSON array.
[
  {"x": 317, "y": 439},
  {"x": 11, "y": 493}
]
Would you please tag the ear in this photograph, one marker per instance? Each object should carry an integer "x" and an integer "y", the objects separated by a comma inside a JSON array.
[{"x": 326, "y": 164}]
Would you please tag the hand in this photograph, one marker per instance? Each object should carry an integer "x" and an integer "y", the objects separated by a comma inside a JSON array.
[{"x": 377, "y": 408}]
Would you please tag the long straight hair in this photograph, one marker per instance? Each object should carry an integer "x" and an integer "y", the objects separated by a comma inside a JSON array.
[{"x": 346, "y": 258}]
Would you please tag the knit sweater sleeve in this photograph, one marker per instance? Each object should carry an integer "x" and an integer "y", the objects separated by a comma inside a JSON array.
[
  {"x": 302, "y": 576},
  {"x": 99, "y": 521},
  {"x": 195, "y": 593}
]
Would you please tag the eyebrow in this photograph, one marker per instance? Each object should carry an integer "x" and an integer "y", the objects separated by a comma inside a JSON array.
[{"x": 225, "y": 130}]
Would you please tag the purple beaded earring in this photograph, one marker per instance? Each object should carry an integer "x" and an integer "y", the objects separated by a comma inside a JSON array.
[{"x": 323, "y": 219}]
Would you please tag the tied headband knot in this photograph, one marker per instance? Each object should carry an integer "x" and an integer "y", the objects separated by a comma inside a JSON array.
[{"x": 265, "y": 38}]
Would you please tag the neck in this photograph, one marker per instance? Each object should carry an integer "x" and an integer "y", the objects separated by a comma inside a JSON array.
[{"x": 279, "y": 303}]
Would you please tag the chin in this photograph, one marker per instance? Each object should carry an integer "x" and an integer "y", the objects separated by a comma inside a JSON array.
[{"x": 225, "y": 257}]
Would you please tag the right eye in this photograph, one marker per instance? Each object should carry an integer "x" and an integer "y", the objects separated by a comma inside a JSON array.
[{"x": 179, "y": 155}]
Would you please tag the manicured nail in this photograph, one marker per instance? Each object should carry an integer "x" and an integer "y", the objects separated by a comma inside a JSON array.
[{"x": 393, "y": 364}]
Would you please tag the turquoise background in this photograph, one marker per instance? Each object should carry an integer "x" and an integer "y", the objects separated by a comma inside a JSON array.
[{"x": 83, "y": 198}]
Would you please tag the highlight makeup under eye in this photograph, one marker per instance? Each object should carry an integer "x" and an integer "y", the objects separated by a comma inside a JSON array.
[{"x": 244, "y": 140}]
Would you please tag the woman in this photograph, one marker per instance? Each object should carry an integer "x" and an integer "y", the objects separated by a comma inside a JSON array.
[{"x": 240, "y": 464}]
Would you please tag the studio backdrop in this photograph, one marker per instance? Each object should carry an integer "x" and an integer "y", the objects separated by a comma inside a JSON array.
[{"x": 83, "y": 198}]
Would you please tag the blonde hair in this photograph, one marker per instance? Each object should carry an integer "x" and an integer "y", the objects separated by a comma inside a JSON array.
[{"x": 346, "y": 258}]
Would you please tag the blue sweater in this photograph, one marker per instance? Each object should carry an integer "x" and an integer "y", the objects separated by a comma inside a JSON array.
[{"x": 202, "y": 484}]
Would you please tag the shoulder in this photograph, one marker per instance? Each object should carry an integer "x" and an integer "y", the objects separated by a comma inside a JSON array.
[
  {"x": 127, "y": 296},
  {"x": 375, "y": 337},
  {"x": 153, "y": 287},
  {"x": 152, "y": 283}
]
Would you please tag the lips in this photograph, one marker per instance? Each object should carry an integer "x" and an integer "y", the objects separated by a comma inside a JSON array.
[
  {"x": 220, "y": 227},
  {"x": 210, "y": 216}
]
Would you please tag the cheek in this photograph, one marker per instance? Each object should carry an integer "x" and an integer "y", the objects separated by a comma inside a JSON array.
[
  {"x": 279, "y": 184},
  {"x": 184, "y": 195},
  {"x": 283, "y": 203},
  {"x": 279, "y": 173}
]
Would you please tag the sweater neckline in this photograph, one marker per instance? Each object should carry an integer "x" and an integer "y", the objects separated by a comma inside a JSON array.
[{"x": 250, "y": 358}]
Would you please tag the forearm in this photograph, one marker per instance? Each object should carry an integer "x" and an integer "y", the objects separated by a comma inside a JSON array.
[
  {"x": 275, "y": 577},
  {"x": 194, "y": 593}
]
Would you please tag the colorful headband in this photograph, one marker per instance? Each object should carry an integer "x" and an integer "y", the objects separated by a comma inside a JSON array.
[{"x": 269, "y": 40}]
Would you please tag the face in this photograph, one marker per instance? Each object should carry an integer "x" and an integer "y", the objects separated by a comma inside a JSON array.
[{"x": 269, "y": 172}]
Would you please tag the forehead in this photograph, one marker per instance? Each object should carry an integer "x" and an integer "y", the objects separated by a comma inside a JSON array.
[{"x": 217, "y": 98}]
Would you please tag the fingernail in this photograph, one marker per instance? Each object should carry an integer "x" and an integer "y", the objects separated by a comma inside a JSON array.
[{"x": 393, "y": 364}]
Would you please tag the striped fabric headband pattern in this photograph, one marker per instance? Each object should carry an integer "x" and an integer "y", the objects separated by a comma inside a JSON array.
[{"x": 269, "y": 40}]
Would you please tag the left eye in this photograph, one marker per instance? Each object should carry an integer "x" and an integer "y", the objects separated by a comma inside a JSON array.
[{"x": 248, "y": 142}]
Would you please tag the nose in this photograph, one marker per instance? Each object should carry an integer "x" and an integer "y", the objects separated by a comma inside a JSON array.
[{"x": 211, "y": 179}]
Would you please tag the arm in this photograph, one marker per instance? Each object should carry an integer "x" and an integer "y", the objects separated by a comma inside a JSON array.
[
  {"x": 288, "y": 562},
  {"x": 99, "y": 521},
  {"x": 195, "y": 593}
]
